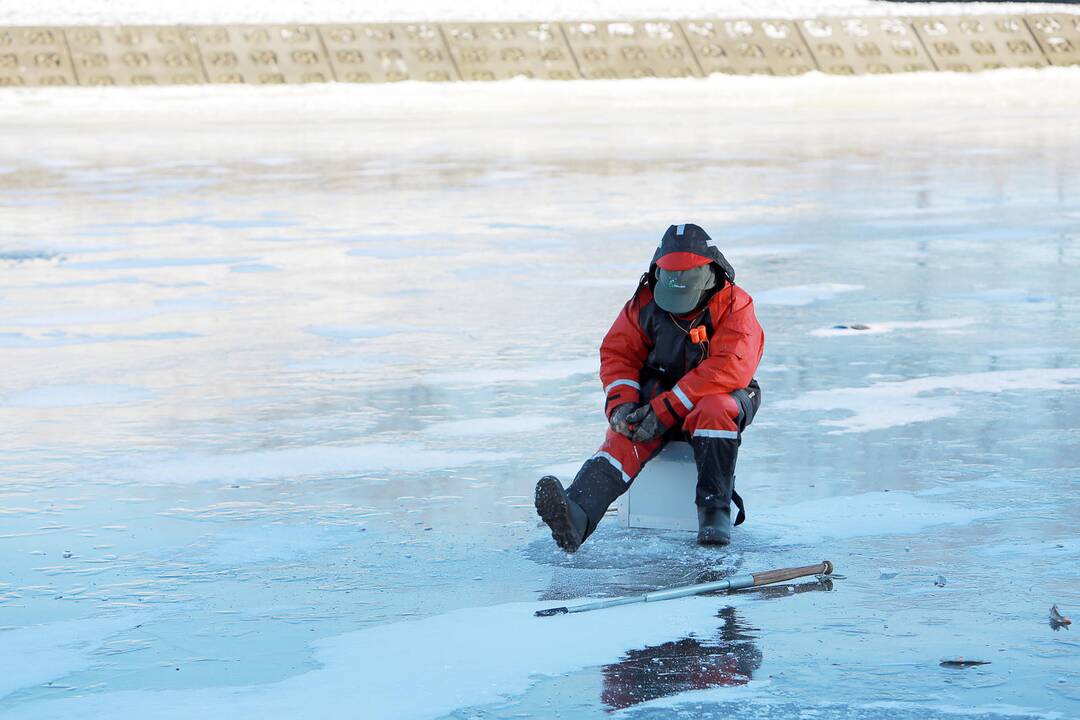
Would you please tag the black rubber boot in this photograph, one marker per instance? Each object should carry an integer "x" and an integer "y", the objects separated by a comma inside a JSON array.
[
  {"x": 715, "y": 486},
  {"x": 567, "y": 519},
  {"x": 573, "y": 514},
  {"x": 714, "y": 526},
  {"x": 716, "y": 452}
]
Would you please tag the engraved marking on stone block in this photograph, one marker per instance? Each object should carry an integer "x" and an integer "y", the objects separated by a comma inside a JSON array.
[
  {"x": 655, "y": 48},
  {"x": 498, "y": 51},
  {"x": 33, "y": 56},
  {"x": 978, "y": 42},
  {"x": 276, "y": 54},
  {"x": 364, "y": 53},
  {"x": 1058, "y": 35},
  {"x": 748, "y": 47},
  {"x": 134, "y": 55},
  {"x": 263, "y": 54},
  {"x": 856, "y": 46}
]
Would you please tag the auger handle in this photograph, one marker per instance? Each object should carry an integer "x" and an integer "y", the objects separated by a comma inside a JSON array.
[{"x": 774, "y": 576}]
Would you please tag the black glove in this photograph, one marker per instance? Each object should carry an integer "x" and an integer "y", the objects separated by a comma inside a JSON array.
[
  {"x": 618, "y": 418},
  {"x": 645, "y": 423}
]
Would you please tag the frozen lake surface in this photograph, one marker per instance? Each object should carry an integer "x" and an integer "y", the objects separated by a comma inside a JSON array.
[{"x": 277, "y": 388}]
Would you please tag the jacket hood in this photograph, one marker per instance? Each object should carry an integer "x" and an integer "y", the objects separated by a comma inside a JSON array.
[{"x": 687, "y": 246}]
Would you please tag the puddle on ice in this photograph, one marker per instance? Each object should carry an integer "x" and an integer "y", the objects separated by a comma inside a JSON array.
[{"x": 726, "y": 659}]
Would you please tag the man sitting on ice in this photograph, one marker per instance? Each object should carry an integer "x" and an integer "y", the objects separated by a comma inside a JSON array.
[{"x": 677, "y": 363}]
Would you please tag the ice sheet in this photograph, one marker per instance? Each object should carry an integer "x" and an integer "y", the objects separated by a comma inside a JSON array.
[
  {"x": 364, "y": 332},
  {"x": 266, "y": 543},
  {"x": 283, "y": 495},
  {"x": 878, "y": 328},
  {"x": 37, "y": 654},
  {"x": 869, "y": 514},
  {"x": 796, "y": 295},
  {"x": 891, "y": 404},
  {"x": 493, "y": 426},
  {"x": 539, "y": 372},
  {"x": 469, "y": 657},
  {"x": 59, "y": 396},
  {"x": 299, "y": 462}
]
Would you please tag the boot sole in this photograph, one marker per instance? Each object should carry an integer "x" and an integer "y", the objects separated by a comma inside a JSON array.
[
  {"x": 713, "y": 539},
  {"x": 552, "y": 509}
]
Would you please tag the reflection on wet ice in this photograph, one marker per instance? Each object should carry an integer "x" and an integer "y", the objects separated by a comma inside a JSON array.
[{"x": 729, "y": 658}]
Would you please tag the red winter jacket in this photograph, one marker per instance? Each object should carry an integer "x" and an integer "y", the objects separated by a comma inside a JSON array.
[{"x": 647, "y": 343}]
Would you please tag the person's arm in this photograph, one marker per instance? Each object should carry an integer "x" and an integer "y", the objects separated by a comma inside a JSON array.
[
  {"x": 736, "y": 344},
  {"x": 622, "y": 355}
]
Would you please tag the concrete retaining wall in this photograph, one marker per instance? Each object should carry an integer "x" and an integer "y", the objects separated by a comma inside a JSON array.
[{"x": 447, "y": 52}]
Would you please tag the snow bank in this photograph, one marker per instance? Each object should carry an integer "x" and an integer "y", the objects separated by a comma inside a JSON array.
[
  {"x": 75, "y": 12},
  {"x": 916, "y": 97},
  {"x": 891, "y": 404}
]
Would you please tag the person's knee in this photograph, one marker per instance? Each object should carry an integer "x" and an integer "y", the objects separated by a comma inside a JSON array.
[
  {"x": 621, "y": 452},
  {"x": 718, "y": 411},
  {"x": 723, "y": 404},
  {"x": 749, "y": 400}
]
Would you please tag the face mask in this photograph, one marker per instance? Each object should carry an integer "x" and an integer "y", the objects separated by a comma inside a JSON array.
[{"x": 680, "y": 291}]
